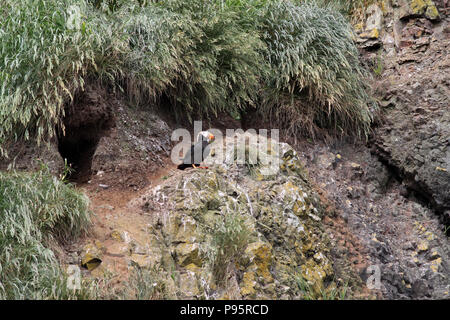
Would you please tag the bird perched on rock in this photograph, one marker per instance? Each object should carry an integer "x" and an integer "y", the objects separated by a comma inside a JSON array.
[{"x": 198, "y": 152}]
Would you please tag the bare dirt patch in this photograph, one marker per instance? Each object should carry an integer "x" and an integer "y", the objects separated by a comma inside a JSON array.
[{"x": 118, "y": 226}]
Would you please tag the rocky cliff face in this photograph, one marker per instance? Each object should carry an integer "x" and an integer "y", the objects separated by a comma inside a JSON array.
[
  {"x": 407, "y": 43},
  {"x": 231, "y": 232}
]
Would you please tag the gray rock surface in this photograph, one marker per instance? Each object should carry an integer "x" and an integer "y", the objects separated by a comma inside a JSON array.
[
  {"x": 233, "y": 232},
  {"x": 413, "y": 88}
]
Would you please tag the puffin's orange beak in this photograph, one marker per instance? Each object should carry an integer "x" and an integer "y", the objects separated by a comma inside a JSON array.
[{"x": 211, "y": 137}]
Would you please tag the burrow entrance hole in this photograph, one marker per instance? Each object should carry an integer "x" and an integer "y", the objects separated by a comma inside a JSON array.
[{"x": 86, "y": 121}]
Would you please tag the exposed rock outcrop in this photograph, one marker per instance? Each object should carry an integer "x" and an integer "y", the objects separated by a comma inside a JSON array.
[
  {"x": 233, "y": 232},
  {"x": 414, "y": 76},
  {"x": 399, "y": 236}
]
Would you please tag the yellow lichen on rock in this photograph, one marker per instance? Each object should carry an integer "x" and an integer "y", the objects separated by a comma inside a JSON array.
[
  {"x": 204, "y": 213},
  {"x": 374, "y": 34},
  {"x": 248, "y": 284},
  {"x": 315, "y": 274},
  {"x": 188, "y": 253},
  {"x": 423, "y": 246},
  {"x": 432, "y": 13},
  {"x": 194, "y": 268},
  {"x": 435, "y": 264},
  {"x": 260, "y": 255},
  {"x": 418, "y": 6},
  {"x": 91, "y": 257},
  {"x": 424, "y": 7}
]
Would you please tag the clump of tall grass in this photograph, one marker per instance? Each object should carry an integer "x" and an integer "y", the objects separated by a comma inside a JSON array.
[
  {"x": 191, "y": 53},
  {"x": 43, "y": 61},
  {"x": 36, "y": 211},
  {"x": 317, "y": 80},
  {"x": 203, "y": 57},
  {"x": 333, "y": 293},
  {"x": 229, "y": 238},
  {"x": 150, "y": 283},
  {"x": 213, "y": 64}
]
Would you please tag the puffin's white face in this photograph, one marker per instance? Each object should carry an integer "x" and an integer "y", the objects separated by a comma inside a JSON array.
[{"x": 207, "y": 135}]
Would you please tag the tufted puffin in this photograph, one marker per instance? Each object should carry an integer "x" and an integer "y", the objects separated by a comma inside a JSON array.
[{"x": 198, "y": 152}]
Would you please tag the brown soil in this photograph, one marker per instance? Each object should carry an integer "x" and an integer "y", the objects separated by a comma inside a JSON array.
[{"x": 112, "y": 210}]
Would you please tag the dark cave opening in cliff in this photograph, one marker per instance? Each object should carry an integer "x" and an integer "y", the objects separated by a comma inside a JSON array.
[
  {"x": 77, "y": 147},
  {"x": 87, "y": 120}
]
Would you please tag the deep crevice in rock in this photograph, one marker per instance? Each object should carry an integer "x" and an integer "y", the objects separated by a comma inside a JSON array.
[{"x": 417, "y": 192}]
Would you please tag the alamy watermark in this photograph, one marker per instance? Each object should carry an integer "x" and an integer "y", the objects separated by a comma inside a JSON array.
[
  {"x": 251, "y": 147},
  {"x": 374, "y": 279},
  {"x": 74, "y": 277}
]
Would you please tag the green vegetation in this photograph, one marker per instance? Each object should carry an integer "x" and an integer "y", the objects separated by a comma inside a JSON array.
[
  {"x": 230, "y": 237},
  {"x": 150, "y": 284},
  {"x": 378, "y": 65},
  {"x": 330, "y": 294},
  {"x": 37, "y": 213},
  {"x": 347, "y": 7},
  {"x": 294, "y": 61},
  {"x": 316, "y": 79}
]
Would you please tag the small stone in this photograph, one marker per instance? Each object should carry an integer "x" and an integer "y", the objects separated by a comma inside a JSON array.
[
  {"x": 434, "y": 255},
  {"x": 420, "y": 288},
  {"x": 423, "y": 246},
  {"x": 374, "y": 21},
  {"x": 353, "y": 193},
  {"x": 143, "y": 261},
  {"x": 188, "y": 284},
  {"x": 121, "y": 236},
  {"x": 432, "y": 12},
  {"x": 355, "y": 166},
  {"x": 435, "y": 264},
  {"x": 187, "y": 253},
  {"x": 418, "y": 6},
  {"x": 118, "y": 249},
  {"x": 137, "y": 248},
  {"x": 91, "y": 257}
]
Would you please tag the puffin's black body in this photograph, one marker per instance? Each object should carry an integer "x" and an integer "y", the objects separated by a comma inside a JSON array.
[{"x": 198, "y": 152}]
